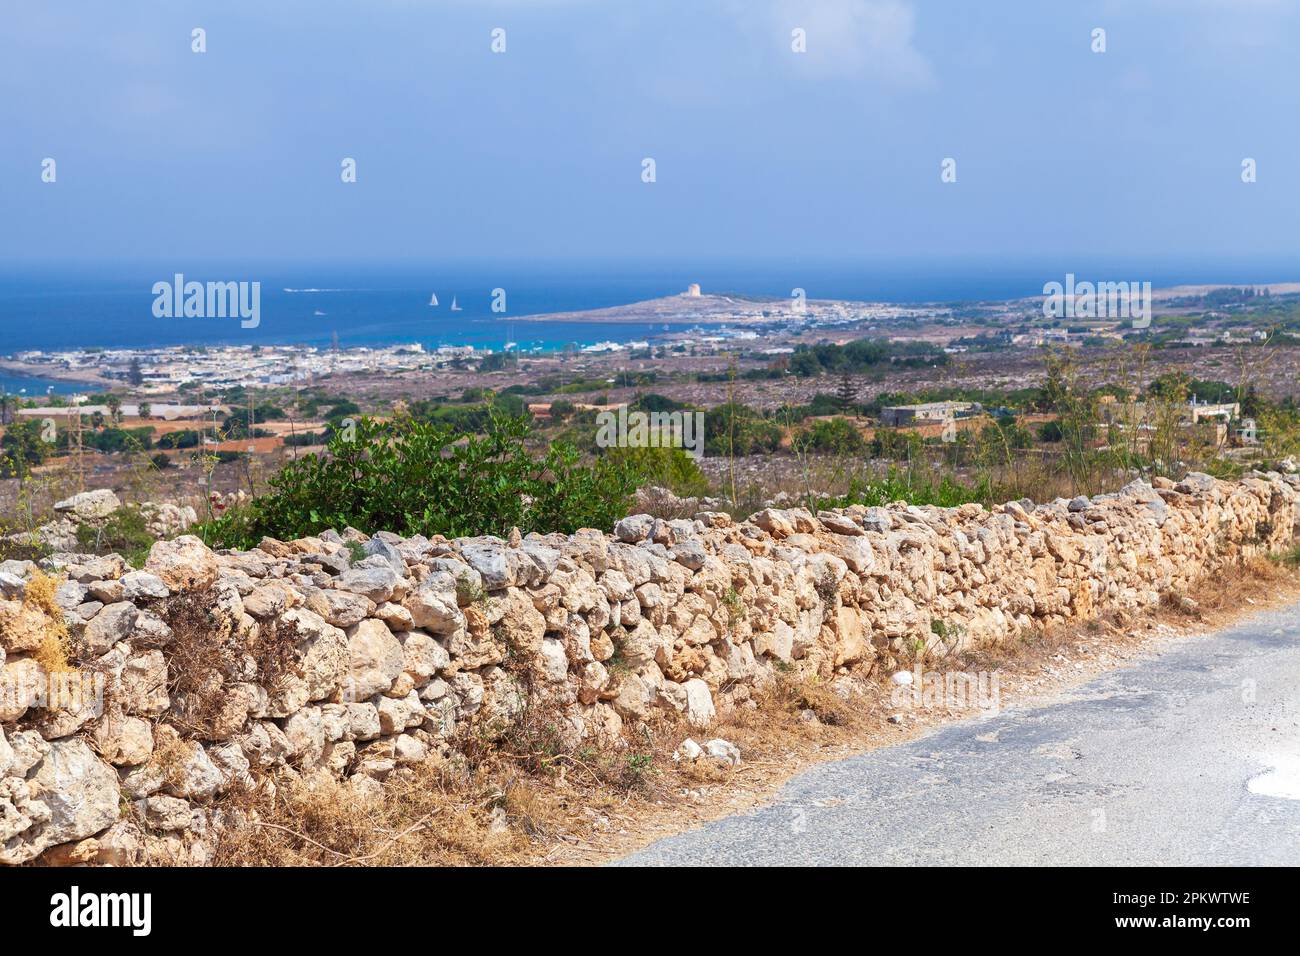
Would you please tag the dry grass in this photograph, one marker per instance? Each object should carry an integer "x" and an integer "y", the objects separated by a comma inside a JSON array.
[
  {"x": 524, "y": 793},
  {"x": 208, "y": 650},
  {"x": 427, "y": 815},
  {"x": 55, "y": 649}
]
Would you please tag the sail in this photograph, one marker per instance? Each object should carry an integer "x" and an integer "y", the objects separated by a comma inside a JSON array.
[{"x": 433, "y": 299}]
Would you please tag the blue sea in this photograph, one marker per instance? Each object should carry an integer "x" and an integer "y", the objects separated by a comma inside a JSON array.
[
  {"x": 35, "y": 387},
  {"x": 48, "y": 308}
]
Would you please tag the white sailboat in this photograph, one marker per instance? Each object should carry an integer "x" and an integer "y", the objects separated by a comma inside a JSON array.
[
  {"x": 433, "y": 299},
  {"x": 454, "y": 306}
]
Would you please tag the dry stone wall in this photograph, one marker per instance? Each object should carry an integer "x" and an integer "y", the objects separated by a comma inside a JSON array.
[{"x": 355, "y": 657}]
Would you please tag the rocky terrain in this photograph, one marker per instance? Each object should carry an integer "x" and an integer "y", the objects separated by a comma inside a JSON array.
[{"x": 351, "y": 657}]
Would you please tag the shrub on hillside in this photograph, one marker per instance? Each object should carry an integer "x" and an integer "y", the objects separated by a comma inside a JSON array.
[
  {"x": 185, "y": 438},
  {"x": 124, "y": 532},
  {"x": 735, "y": 429},
  {"x": 21, "y": 449},
  {"x": 419, "y": 477},
  {"x": 667, "y": 467},
  {"x": 836, "y": 436}
]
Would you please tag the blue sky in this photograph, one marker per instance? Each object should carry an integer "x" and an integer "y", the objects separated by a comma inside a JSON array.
[{"x": 761, "y": 153}]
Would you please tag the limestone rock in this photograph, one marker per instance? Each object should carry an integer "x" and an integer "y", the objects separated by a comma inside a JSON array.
[
  {"x": 688, "y": 751},
  {"x": 79, "y": 796},
  {"x": 89, "y": 505},
  {"x": 167, "y": 813},
  {"x": 123, "y": 740},
  {"x": 190, "y": 773},
  {"x": 521, "y": 624},
  {"x": 112, "y": 624},
  {"x": 634, "y": 528},
  {"x": 143, "y": 586},
  {"x": 722, "y": 751},
  {"x": 700, "y": 711},
  {"x": 376, "y": 581},
  {"x": 422, "y": 656},
  {"x": 183, "y": 563},
  {"x": 433, "y": 606},
  {"x": 375, "y": 660},
  {"x": 142, "y": 685}
]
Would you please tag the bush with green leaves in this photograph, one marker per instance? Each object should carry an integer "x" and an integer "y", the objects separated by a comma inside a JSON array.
[
  {"x": 898, "y": 485},
  {"x": 124, "y": 532},
  {"x": 417, "y": 477},
  {"x": 184, "y": 438},
  {"x": 22, "y": 448},
  {"x": 665, "y": 467},
  {"x": 837, "y": 436},
  {"x": 734, "y": 429}
]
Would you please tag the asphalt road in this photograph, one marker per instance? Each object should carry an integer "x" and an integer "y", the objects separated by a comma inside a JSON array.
[{"x": 1189, "y": 757}]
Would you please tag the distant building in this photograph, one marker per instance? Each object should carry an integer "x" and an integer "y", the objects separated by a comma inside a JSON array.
[
  {"x": 1225, "y": 410},
  {"x": 167, "y": 412},
  {"x": 693, "y": 290},
  {"x": 1192, "y": 413},
  {"x": 928, "y": 413}
]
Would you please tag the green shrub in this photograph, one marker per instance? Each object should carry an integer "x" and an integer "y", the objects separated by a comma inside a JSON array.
[
  {"x": 667, "y": 467},
  {"x": 901, "y": 486},
  {"x": 837, "y": 436},
  {"x": 654, "y": 402},
  {"x": 124, "y": 532},
  {"x": 419, "y": 477},
  {"x": 21, "y": 448},
  {"x": 112, "y": 439},
  {"x": 185, "y": 438},
  {"x": 735, "y": 429}
]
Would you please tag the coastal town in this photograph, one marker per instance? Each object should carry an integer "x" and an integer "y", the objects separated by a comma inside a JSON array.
[
  {"x": 876, "y": 372},
  {"x": 701, "y": 325}
]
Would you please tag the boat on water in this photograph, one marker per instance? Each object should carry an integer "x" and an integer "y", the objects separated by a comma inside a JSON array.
[
  {"x": 433, "y": 299},
  {"x": 454, "y": 306}
]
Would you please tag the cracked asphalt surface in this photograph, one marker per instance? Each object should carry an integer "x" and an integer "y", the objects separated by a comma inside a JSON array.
[{"x": 1189, "y": 757}]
